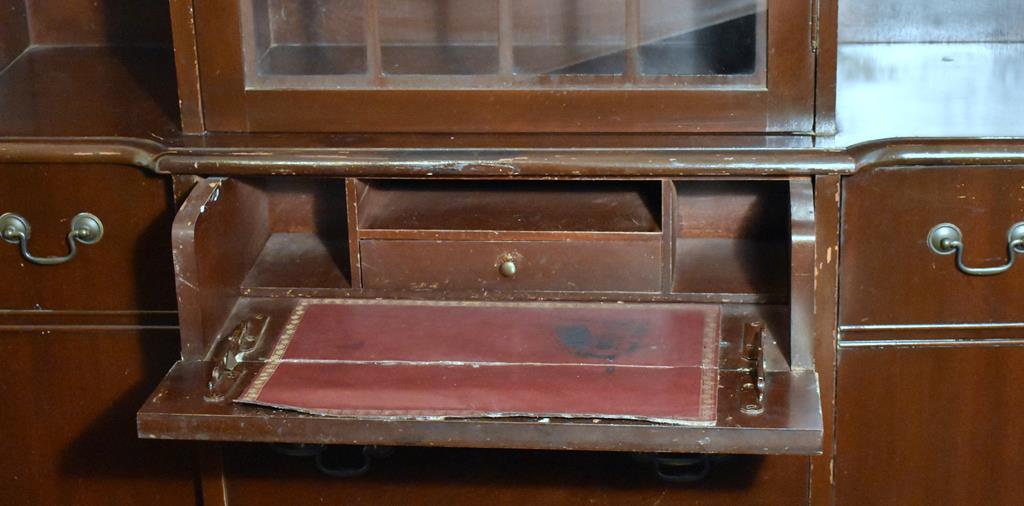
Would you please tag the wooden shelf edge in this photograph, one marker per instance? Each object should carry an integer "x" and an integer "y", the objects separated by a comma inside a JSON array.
[{"x": 792, "y": 423}]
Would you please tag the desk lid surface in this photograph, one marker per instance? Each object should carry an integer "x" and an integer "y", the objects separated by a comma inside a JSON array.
[{"x": 435, "y": 360}]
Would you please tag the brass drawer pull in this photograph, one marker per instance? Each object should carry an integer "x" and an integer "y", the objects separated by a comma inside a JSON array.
[
  {"x": 85, "y": 228},
  {"x": 508, "y": 268},
  {"x": 946, "y": 239}
]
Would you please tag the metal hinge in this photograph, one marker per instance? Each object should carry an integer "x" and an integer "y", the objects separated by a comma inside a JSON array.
[
  {"x": 229, "y": 353},
  {"x": 753, "y": 352}
]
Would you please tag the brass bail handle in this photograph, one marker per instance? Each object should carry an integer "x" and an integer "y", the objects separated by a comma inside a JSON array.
[
  {"x": 946, "y": 239},
  {"x": 86, "y": 228}
]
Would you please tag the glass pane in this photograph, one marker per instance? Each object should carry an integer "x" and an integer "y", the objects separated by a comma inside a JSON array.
[
  {"x": 309, "y": 37},
  {"x": 439, "y": 37},
  {"x": 569, "y": 36},
  {"x": 504, "y": 43},
  {"x": 698, "y": 37}
]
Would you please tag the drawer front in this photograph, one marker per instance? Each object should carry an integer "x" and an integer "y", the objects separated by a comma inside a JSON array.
[
  {"x": 929, "y": 426},
  {"x": 69, "y": 399},
  {"x": 129, "y": 268},
  {"x": 611, "y": 266},
  {"x": 890, "y": 276},
  {"x": 256, "y": 474}
]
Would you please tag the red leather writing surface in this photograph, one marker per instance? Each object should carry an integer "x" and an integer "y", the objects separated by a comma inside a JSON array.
[{"x": 408, "y": 359}]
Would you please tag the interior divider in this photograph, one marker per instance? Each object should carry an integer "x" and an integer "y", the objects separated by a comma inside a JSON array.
[
  {"x": 506, "y": 38},
  {"x": 632, "y": 17},
  {"x": 374, "y": 57}
]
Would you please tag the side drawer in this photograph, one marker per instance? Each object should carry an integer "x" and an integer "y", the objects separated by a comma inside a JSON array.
[
  {"x": 565, "y": 266},
  {"x": 129, "y": 268},
  {"x": 929, "y": 425},
  {"x": 890, "y": 275}
]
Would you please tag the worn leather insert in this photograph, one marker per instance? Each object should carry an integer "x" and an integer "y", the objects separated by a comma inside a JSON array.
[{"x": 418, "y": 359}]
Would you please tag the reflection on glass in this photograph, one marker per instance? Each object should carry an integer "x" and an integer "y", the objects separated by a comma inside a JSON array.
[
  {"x": 698, "y": 37},
  {"x": 310, "y": 37},
  {"x": 569, "y": 36},
  {"x": 498, "y": 42},
  {"x": 439, "y": 37}
]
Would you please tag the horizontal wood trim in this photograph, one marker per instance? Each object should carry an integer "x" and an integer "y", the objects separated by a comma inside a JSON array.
[
  {"x": 922, "y": 333},
  {"x": 931, "y": 343},
  {"x": 525, "y": 296},
  {"x": 189, "y": 155},
  {"x": 505, "y": 235},
  {"x": 507, "y": 111},
  {"x": 465, "y": 163},
  {"x": 930, "y": 327},
  {"x": 119, "y": 151},
  {"x": 82, "y": 320},
  {"x": 936, "y": 152},
  {"x": 792, "y": 423}
]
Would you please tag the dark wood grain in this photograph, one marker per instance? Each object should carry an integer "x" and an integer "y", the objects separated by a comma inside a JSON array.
[
  {"x": 827, "y": 38},
  {"x": 547, "y": 206},
  {"x": 732, "y": 236},
  {"x": 129, "y": 269},
  {"x": 69, "y": 400},
  {"x": 299, "y": 260},
  {"x": 827, "y": 191},
  {"x": 929, "y": 426},
  {"x": 257, "y": 475},
  {"x": 893, "y": 210},
  {"x": 186, "y": 63},
  {"x": 461, "y": 163},
  {"x": 791, "y": 423},
  {"x": 554, "y": 265},
  {"x": 216, "y": 238},
  {"x": 99, "y": 23}
]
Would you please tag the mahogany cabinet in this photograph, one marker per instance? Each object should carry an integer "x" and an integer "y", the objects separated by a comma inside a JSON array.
[{"x": 508, "y": 251}]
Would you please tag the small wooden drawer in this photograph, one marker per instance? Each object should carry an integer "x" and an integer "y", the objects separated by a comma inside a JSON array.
[
  {"x": 559, "y": 266},
  {"x": 890, "y": 276}
]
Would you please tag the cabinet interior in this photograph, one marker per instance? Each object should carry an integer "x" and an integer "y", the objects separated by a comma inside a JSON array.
[
  {"x": 304, "y": 226},
  {"x": 725, "y": 240},
  {"x": 732, "y": 237},
  {"x": 510, "y": 206}
]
